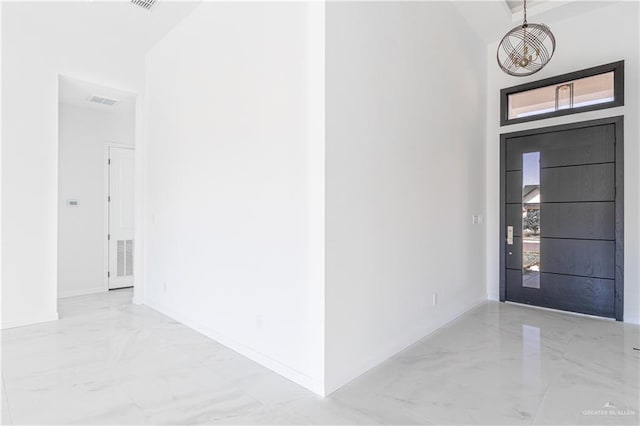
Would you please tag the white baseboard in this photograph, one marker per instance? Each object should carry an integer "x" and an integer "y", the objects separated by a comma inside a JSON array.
[
  {"x": 402, "y": 343},
  {"x": 632, "y": 320},
  {"x": 315, "y": 386},
  {"x": 21, "y": 322},
  {"x": 292, "y": 374},
  {"x": 81, "y": 292}
]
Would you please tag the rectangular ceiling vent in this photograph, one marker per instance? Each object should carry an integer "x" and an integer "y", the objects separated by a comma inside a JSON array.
[
  {"x": 102, "y": 100},
  {"x": 145, "y": 4}
]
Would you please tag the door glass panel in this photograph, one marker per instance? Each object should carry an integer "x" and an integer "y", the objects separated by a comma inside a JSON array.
[{"x": 531, "y": 219}]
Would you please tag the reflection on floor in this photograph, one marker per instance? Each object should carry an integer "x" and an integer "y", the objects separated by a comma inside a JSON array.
[
  {"x": 110, "y": 362},
  {"x": 531, "y": 279}
]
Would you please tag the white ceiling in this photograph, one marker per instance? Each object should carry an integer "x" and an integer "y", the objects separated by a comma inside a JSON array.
[
  {"x": 76, "y": 92},
  {"x": 117, "y": 32},
  {"x": 516, "y": 5},
  {"x": 112, "y": 26},
  {"x": 492, "y": 19}
]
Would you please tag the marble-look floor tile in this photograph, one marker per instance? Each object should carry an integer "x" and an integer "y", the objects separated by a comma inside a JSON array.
[
  {"x": 270, "y": 388},
  {"x": 5, "y": 414},
  {"x": 107, "y": 361},
  {"x": 263, "y": 384},
  {"x": 338, "y": 411},
  {"x": 70, "y": 307},
  {"x": 278, "y": 414},
  {"x": 377, "y": 408},
  {"x": 582, "y": 395},
  {"x": 76, "y": 398},
  {"x": 179, "y": 400}
]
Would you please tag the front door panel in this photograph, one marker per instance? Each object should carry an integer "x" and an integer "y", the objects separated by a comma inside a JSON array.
[{"x": 562, "y": 194}]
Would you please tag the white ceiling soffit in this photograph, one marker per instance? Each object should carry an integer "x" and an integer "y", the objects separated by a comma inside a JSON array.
[
  {"x": 549, "y": 11},
  {"x": 80, "y": 94},
  {"x": 110, "y": 26},
  {"x": 516, "y": 5},
  {"x": 491, "y": 19}
]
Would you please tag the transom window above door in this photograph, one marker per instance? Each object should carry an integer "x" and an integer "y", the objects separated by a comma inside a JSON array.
[{"x": 586, "y": 90}]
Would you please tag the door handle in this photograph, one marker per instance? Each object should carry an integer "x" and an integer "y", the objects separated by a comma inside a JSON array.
[{"x": 510, "y": 235}]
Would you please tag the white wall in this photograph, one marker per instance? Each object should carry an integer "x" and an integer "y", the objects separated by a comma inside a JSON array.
[
  {"x": 604, "y": 35},
  {"x": 31, "y": 62},
  {"x": 405, "y": 126},
  {"x": 98, "y": 42},
  {"x": 84, "y": 134},
  {"x": 234, "y": 192}
]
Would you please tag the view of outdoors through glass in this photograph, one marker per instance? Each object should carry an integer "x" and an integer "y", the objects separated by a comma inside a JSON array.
[
  {"x": 531, "y": 219},
  {"x": 582, "y": 92}
]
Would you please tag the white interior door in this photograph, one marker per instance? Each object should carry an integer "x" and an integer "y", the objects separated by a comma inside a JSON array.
[{"x": 121, "y": 232}]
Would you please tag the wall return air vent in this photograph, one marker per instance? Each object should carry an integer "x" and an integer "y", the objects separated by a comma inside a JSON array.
[
  {"x": 102, "y": 100},
  {"x": 145, "y": 4}
]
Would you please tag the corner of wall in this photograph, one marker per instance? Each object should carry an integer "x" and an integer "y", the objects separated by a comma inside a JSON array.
[
  {"x": 314, "y": 385},
  {"x": 333, "y": 384}
]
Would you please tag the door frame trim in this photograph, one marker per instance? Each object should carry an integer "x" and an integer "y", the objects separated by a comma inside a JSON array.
[{"x": 618, "y": 122}]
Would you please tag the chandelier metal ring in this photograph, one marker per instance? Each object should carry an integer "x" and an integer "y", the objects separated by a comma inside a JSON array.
[{"x": 526, "y": 49}]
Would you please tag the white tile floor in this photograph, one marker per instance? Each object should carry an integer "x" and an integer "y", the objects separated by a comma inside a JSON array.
[{"x": 109, "y": 362}]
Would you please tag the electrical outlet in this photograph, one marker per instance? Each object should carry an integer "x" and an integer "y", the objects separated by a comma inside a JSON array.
[
  {"x": 259, "y": 322},
  {"x": 435, "y": 299},
  {"x": 164, "y": 286}
]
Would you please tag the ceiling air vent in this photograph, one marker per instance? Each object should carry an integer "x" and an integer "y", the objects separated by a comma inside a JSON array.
[
  {"x": 145, "y": 4},
  {"x": 102, "y": 100}
]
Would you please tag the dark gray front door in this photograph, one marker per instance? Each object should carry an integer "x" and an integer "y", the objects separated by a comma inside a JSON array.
[{"x": 562, "y": 217}]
